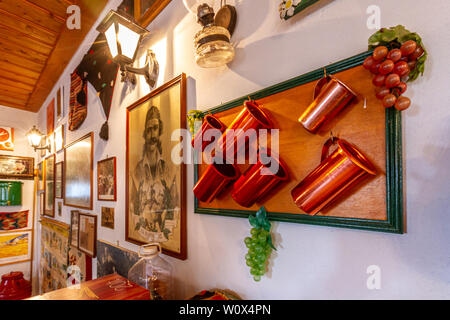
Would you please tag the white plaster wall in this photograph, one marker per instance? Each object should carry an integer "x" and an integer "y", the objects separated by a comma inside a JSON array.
[
  {"x": 311, "y": 262},
  {"x": 21, "y": 121}
]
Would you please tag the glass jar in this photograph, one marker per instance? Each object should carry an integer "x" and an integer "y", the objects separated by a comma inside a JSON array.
[
  {"x": 213, "y": 47},
  {"x": 152, "y": 272}
]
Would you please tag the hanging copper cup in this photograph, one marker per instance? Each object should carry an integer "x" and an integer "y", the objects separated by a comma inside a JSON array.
[
  {"x": 215, "y": 179},
  {"x": 337, "y": 173},
  {"x": 330, "y": 97},
  {"x": 210, "y": 122},
  {"x": 259, "y": 179},
  {"x": 234, "y": 139}
]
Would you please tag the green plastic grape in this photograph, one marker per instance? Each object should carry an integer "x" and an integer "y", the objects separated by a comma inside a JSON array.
[
  {"x": 257, "y": 278},
  {"x": 254, "y": 231}
]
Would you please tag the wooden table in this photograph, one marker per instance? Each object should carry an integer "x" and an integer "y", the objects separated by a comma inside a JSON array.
[{"x": 110, "y": 287}]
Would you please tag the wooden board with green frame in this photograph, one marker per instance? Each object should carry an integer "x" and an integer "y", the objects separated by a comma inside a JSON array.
[{"x": 378, "y": 204}]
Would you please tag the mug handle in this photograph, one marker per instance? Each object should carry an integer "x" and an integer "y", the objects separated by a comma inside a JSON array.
[
  {"x": 320, "y": 84},
  {"x": 326, "y": 148}
]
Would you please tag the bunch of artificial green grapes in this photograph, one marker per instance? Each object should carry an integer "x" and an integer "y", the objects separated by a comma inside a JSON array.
[{"x": 259, "y": 249}]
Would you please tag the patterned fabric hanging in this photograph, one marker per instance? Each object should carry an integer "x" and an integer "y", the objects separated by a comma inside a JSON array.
[
  {"x": 78, "y": 102},
  {"x": 13, "y": 220}
]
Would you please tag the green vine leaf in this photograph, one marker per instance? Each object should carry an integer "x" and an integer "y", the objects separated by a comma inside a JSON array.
[{"x": 394, "y": 37}]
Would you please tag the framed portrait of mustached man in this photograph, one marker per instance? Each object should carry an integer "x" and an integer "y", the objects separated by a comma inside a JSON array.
[{"x": 155, "y": 182}]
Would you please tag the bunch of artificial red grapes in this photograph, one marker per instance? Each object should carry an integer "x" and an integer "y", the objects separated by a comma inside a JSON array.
[{"x": 391, "y": 70}]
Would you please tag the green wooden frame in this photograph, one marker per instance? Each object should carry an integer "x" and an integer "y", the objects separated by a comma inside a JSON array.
[
  {"x": 394, "y": 170},
  {"x": 302, "y": 6}
]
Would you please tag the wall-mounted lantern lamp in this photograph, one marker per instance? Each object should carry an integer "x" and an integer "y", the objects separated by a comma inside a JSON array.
[
  {"x": 124, "y": 36},
  {"x": 35, "y": 137}
]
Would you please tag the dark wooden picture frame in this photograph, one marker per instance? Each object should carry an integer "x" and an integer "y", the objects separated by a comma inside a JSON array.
[
  {"x": 40, "y": 176},
  {"x": 61, "y": 165},
  {"x": 27, "y": 161},
  {"x": 154, "y": 9},
  {"x": 49, "y": 192},
  {"x": 181, "y": 81},
  {"x": 74, "y": 218},
  {"x": 82, "y": 215},
  {"x": 67, "y": 185},
  {"x": 394, "y": 175},
  {"x": 100, "y": 164}
]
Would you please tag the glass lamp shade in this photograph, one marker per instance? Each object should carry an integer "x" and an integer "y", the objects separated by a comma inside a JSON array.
[
  {"x": 34, "y": 137},
  {"x": 213, "y": 47},
  {"x": 122, "y": 35},
  {"x": 192, "y": 5}
]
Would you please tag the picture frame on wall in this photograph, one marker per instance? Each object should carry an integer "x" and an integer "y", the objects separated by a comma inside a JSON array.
[
  {"x": 41, "y": 204},
  {"x": 49, "y": 186},
  {"x": 106, "y": 180},
  {"x": 155, "y": 185},
  {"x": 15, "y": 167},
  {"x": 73, "y": 234},
  {"x": 16, "y": 247},
  {"x": 78, "y": 172},
  {"x": 51, "y": 117},
  {"x": 107, "y": 220},
  {"x": 87, "y": 233},
  {"x": 147, "y": 10},
  {"x": 59, "y": 181},
  {"x": 6, "y": 139},
  {"x": 58, "y": 138},
  {"x": 40, "y": 171},
  {"x": 59, "y": 104}
]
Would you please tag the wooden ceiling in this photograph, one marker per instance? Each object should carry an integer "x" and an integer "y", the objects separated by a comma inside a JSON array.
[{"x": 36, "y": 46}]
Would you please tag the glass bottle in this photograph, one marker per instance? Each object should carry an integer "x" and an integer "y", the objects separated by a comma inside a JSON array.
[
  {"x": 152, "y": 272},
  {"x": 212, "y": 43}
]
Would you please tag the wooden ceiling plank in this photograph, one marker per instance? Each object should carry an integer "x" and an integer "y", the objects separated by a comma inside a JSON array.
[
  {"x": 15, "y": 84},
  {"x": 16, "y": 95},
  {"x": 24, "y": 40},
  {"x": 46, "y": 10},
  {"x": 13, "y": 105},
  {"x": 67, "y": 44},
  {"x": 19, "y": 70},
  {"x": 17, "y": 77},
  {"x": 13, "y": 90},
  {"x": 17, "y": 100},
  {"x": 27, "y": 28},
  {"x": 19, "y": 61},
  {"x": 21, "y": 51},
  {"x": 28, "y": 11},
  {"x": 57, "y": 7}
]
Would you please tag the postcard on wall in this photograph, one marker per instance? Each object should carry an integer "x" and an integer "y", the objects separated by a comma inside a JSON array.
[
  {"x": 87, "y": 233},
  {"x": 15, "y": 247},
  {"x": 108, "y": 217},
  {"x": 6, "y": 139},
  {"x": 106, "y": 179}
]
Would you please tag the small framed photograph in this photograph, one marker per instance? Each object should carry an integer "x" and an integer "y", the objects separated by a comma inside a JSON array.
[
  {"x": 41, "y": 203},
  {"x": 73, "y": 235},
  {"x": 40, "y": 186},
  {"x": 59, "y": 182},
  {"x": 108, "y": 217},
  {"x": 59, "y": 138},
  {"x": 59, "y": 209},
  {"x": 49, "y": 186},
  {"x": 87, "y": 233},
  {"x": 14, "y": 167},
  {"x": 106, "y": 180}
]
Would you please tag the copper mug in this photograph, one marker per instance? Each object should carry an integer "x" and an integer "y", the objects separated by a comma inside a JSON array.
[
  {"x": 330, "y": 97},
  {"x": 337, "y": 172},
  {"x": 210, "y": 122}
]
